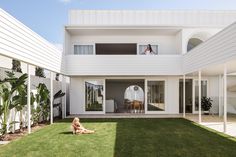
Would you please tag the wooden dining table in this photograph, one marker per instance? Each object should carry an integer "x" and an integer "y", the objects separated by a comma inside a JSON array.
[{"x": 136, "y": 104}]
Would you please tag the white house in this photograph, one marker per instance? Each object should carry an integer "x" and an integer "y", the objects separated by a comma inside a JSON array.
[
  {"x": 193, "y": 56},
  {"x": 111, "y": 73}
]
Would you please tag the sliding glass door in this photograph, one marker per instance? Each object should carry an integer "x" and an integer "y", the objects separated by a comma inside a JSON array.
[
  {"x": 156, "y": 95},
  {"x": 94, "y": 95}
]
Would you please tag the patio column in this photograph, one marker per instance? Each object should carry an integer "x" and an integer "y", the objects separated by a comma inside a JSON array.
[
  {"x": 220, "y": 95},
  {"x": 28, "y": 99},
  {"x": 64, "y": 98},
  {"x": 184, "y": 103},
  {"x": 51, "y": 97},
  {"x": 225, "y": 97},
  {"x": 199, "y": 96}
]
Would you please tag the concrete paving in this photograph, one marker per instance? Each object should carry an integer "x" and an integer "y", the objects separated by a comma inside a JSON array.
[{"x": 216, "y": 122}]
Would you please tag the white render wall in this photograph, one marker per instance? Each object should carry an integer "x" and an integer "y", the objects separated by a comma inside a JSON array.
[
  {"x": 180, "y": 18},
  {"x": 120, "y": 65},
  {"x": 77, "y": 94}
]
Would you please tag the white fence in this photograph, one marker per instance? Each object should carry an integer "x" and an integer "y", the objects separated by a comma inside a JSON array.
[{"x": 35, "y": 80}]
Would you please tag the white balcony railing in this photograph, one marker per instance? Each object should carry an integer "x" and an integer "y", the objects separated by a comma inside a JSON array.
[{"x": 123, "y": 65}]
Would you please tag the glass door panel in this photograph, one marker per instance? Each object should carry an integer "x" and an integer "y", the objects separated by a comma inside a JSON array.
[
  {"x": 203, "y": 91},
  {"x": 156, "y": 95},
  {"x": 94, "y": 95}
]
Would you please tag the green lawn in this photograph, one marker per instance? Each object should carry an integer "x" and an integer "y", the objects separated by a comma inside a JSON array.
[{"x": 124, "y": 138}]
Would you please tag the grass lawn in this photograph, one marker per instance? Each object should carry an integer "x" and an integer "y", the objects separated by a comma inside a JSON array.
[{"x": 124, "y": 138}]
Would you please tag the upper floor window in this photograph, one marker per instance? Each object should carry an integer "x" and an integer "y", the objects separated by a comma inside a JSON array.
[
  {"x": 148, "y": 49},
  {"x": 83, "y": 49},
  {"x": 192, "y": 43}
]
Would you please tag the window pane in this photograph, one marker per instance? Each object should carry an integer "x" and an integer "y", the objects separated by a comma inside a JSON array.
[
  {"x": 94, "y": 96},
  {"x": 156, "y": 95},
  {"x": 83, "y": 49},
  {"x": 203, "y": 91},
  {"x": 142, "y": 49}
]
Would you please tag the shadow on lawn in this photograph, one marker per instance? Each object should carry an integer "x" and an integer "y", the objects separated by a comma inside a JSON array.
[
  {"x": 67, "y": 133},
  {"x": 169, "y": 137}
]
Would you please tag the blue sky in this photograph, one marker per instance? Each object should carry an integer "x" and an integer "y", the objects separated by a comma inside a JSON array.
[{"x": 47, "y": 17}]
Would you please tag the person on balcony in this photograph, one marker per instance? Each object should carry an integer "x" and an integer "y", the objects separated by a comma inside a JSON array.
[{"x": 148, "y": 50}]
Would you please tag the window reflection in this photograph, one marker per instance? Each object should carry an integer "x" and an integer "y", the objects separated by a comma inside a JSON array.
[
  {"x": 94, "y": 96},
  {"x": 156, "y": 95}
]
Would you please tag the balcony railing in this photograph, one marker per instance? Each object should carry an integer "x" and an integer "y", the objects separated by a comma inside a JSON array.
[{"x": 124, "y": 64}]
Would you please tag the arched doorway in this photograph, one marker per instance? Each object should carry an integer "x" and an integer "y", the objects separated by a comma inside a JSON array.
[{"x": 134, "y": 98}]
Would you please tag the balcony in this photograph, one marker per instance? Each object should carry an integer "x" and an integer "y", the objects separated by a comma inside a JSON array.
[{"x": 123, "y": 65}]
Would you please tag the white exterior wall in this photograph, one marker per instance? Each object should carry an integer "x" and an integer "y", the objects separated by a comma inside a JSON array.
[
  {"x": 114, "y": 65},
  {"x": 200, "y": 33},
  {"x": 19, "y": 42},
  {"x": 180, "y": 18},
  {"x": 215, "y": 51},
  {"x": 77, "y": 94}
]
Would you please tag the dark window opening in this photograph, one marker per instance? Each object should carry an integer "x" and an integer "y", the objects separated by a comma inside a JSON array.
[{"x": 116, "y": 49}]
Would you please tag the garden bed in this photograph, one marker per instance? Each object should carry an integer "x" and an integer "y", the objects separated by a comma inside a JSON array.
[{"x": 20, "y": 133}]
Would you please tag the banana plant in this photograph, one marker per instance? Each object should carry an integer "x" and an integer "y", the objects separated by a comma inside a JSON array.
[
  {"x": 9, "y": 93},
  {"x": 43, "y": 100}
]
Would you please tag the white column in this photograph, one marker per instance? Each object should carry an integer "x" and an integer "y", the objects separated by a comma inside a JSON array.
[
  {"x": 64, "y": 97},
  {"x": 51, "y": 97},
  {"x": 184, "y": 105},
  {"x": 199, "y": 96},
  {"x": 28, "y": 99},
  {"x": 145, "y": 105},
  {"x": 220, "y": 95},
  {"x": 225, "y": 97}
]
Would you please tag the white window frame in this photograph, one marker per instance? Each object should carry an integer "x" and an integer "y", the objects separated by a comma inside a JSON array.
[
  {"x": 165, "y": 99},
  {"x": 77, "y": 43},
  {"x": 146, "y": 43},
  {"x": 192, "y": 78},
  {"x": 104, "y": 97}
]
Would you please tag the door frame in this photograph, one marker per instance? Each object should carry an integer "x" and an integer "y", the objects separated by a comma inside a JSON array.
[
  {"x": 165, "y": 99},
  {"x": 188, "y": 78},
  {"x": 104, "y": 96}
]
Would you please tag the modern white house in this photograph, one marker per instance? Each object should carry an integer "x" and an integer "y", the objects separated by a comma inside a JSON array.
[
  {"x": 111, "y": 73},
  {"x": 111, "y": 70}
]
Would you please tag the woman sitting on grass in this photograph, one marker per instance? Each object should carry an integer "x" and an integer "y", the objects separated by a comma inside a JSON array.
[{"x": 78, "y": 128}]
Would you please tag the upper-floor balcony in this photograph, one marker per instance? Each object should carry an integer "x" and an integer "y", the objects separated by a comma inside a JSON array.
[{"x": 123, "y": 65}]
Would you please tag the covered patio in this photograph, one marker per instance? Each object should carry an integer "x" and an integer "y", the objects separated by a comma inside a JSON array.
[{"x": 213, "y": 64}]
